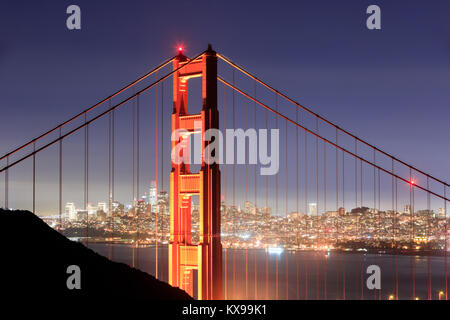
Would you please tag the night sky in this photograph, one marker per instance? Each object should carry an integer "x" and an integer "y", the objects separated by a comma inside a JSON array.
[{"x": 389, "y": 86}]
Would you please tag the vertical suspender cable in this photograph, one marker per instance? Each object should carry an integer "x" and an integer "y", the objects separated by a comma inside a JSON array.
[
  {"x": 413, "y": 210},
  {"x": 362, "y": 213},
  {"x": 137, "y": 146},
  {"x": 379, "y": 216},
  {"x": 411, "y": 240},
  {"x": 256, "y": 211},
  {"x": 6, "y": 184},
  {"x": 162, "y": 158},
  {"x": 377, "y": 229},
  {"x": 325, "y": 210},
  {"x": 234, "y": 195},
  {"x": 267, "y": 218},
  {"x": 394, "y": 240},
  {"x": 297, "y": 203},
  {"x": 393, "y": 226},
  {"x": 34, "y": 178},
  {"x": 396, "y": 261},
  {"x": 276, "y": 208},
  {"x": 317, "y": 210},
  {"x": 109, "y": 180},
  {"x": 137, "y": 167},
  {"x": 286, "y": 211},
  {"x": 87, "y": 172},
  {"x": 133, "y": 169},
  {"x": 246, "y": 201},
  {"x": 343, "y": 208},
  {"x": 60, "y": 182},
  {"x": 445, "y": 245},
  {"x": 156, "y": 181},
  {"x": 86, "y": 169},
  {"x": 358, "y": 222},
  {"x": 113, "y": 168},
  {"x": 428, "y": 243},
  {"x": 337, "y": 218},
  {"x": 162, "y": 137},
  {"x": 308, "y": 218},
  {"x": 225, "y": 214},
  {"x": 356, "y": 175}
]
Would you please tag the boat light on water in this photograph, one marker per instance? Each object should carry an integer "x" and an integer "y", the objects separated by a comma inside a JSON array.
[{"x": 275, "y": 250}]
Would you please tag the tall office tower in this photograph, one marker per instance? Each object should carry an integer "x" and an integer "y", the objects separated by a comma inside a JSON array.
[
  {"x": 152, "y": 198},
  {"x": 312, "y": 208},
  {"x": 71, "y": 212}
]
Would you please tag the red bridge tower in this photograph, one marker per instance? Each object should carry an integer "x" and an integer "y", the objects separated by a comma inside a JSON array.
[{"x": 206, "y": 256}]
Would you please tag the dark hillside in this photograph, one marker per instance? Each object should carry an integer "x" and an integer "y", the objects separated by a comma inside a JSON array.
[{"x": 34, "y": 260}]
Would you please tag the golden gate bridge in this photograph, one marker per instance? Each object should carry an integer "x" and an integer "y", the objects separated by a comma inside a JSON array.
[{"x": 324, "y": 168}]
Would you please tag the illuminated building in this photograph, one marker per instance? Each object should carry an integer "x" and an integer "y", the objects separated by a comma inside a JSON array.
[
  {"x": 71, "y": 212},
  {"x": 407, "y": 209},
  {"x": 152, "y": 199},
  {"x": 102, "y": 206},
  {"x": 82, "y": 215},
  {"x": 91, "y": 209},
  {"x": 312, "y": 208}
]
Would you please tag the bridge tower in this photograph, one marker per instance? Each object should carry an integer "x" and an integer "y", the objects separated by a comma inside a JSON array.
[{"x": 206, "y": 256}]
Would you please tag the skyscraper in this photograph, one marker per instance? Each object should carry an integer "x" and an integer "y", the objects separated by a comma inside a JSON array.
[
  {"x": 312, "y": 208},
  {"x": 152, "y": 198},
  {"x": 102, "y": 206},
  {"x": 71, "y": 212},
  {"x": 407, "y": 209},
  {"x": 91, "y": 209}
]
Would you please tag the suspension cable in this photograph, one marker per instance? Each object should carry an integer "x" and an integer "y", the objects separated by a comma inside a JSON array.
[
  {"x": 94, "y": 118},
  {"x": 328, "y": 141},
  {"x": 162, "y": 65},
  {"x": 323, "y": 119}
]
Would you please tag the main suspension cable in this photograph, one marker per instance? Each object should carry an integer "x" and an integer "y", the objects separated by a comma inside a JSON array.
[
  {"x": 162, "y": 65},
  {"x": 94, "y": 118},
  {"x": 328, "y": 141},
  {"x": 323, "y": 119}
]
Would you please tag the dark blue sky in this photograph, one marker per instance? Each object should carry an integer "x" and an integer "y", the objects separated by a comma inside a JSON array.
[{"x": 389, "y": 86}]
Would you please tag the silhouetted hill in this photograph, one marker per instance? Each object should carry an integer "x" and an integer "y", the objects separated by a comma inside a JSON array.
[{"x": 34, "y": 261}]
